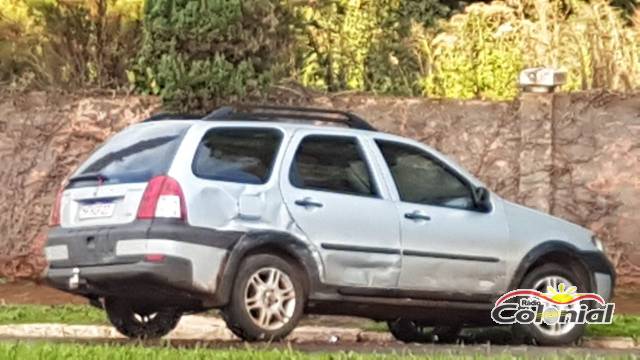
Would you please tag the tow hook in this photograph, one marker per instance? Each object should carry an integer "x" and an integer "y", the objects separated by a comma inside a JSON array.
[{"x": 74, "y": 280}]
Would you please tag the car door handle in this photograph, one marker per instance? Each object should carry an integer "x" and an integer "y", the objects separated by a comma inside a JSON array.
[
  {"x": 417, "y": 216},
  {"x": 308, "y": 202}
]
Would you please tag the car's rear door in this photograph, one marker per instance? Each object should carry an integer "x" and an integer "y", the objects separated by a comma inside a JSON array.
[
  {"x": 450, "y": 248},
  {"x": 334, "y": 194}
]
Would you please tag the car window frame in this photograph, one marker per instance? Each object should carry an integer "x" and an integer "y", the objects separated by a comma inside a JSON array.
[
  {"x": 272, "y": 166},
  {"x": 362, "y": 152},
  {"x": 448, "y": 168}
]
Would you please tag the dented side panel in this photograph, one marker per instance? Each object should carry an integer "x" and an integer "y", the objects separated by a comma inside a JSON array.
[
  {"x": 345, "y": 219},
  {"x": 225, "y": 205},
  {"x": 357, "y": 237}
]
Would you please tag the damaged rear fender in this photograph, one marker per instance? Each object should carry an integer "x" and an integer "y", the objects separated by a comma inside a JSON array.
[{"x": 272, "y": 242}]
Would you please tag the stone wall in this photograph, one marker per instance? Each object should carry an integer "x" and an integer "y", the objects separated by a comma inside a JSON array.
[
  {"x": 576, "y": 156},
  {"x": 43, "y": 137}
]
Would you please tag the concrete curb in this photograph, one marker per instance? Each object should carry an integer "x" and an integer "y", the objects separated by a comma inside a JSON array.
[
  {"x": 190, "y": 328},
  {"x": 611, "y": 343},
  {"x": 200, "y": 328}
]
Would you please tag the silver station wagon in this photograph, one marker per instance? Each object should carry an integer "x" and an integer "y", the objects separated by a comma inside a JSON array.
[{"x": 268, "y": 213}]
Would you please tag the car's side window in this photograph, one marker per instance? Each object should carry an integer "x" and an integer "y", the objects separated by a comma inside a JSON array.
[
  {"x": 332, "y": 163},
  {"x": 243, "y": 155},
  {"x": 422, "y": 180}
]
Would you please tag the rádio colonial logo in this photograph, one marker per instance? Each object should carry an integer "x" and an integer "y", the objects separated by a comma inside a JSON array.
[{"x": 561, "y": 305}]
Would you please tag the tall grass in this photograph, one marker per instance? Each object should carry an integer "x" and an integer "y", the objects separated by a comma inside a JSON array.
[{"x": 480, "y": 52}]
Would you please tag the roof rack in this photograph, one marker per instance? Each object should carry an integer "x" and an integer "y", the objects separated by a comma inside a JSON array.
[
  {"x": 173, "y": 116},
  {"x": 271, "y": 113}
]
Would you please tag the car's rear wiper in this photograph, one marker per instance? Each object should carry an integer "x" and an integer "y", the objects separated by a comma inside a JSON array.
[{"x": 89, "y": 176}]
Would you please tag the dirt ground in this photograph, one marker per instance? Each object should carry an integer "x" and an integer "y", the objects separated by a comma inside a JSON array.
[{"x": 27, "y": 292}]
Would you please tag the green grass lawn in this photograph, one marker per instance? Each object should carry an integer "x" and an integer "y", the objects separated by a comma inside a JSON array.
[
  {"x": 623, "y": 325},
  {"x": 66, "y": 314},
  {"x": 55, "y": 351}
]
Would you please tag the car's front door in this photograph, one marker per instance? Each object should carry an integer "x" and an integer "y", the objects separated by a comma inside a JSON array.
[
  {"x": 450, "y": 248},
  {"x": 329, "y": 186}
]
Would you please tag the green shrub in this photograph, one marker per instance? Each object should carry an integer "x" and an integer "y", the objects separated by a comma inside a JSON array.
[
  {"x": 195, "y": 52},
  {"x": 476, "y": 55},
  {"x": 67, "y": 43},
  {"x": 359, "y": 45}
]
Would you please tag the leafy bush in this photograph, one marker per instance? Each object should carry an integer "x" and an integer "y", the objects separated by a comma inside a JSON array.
[
  {"x": 477, "y": 54},
  {"x": 67, "y": 43},
  {"x": 195, "y": 52},
  {"x": 394, "y": 47},
  {"x": 359, "y": 45}
]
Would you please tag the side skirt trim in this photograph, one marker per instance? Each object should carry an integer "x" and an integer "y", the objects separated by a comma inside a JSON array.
[
  {"x": 392, "y": 251},
  {"x": 366, "y": 249},
  {"x": 450, "y": 256}
]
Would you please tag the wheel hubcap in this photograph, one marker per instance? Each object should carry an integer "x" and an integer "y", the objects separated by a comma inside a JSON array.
[
  {"x": 144, "y": 318},
  {"x": 270, "y": 298},
  {"x": 555, "y": 328}
]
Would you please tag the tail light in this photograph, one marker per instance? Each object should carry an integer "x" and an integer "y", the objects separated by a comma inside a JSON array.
[
  {"x": 54, "y": 218},
  {"x": 163, "y": 198},
  {"x": 154, "y": 258}
]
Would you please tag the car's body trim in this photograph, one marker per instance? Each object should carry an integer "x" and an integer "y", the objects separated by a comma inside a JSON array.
[
  {"x": 450, "y": 256},
  {"x": 355, "y": 248},
  {"x": 379, "y": 250},
  {"x": 396, "y": 293}
]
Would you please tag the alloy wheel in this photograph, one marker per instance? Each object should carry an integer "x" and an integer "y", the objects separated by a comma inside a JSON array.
[
  {"x": 270, "y": 298},
  {"x": 553, "y": 327}
]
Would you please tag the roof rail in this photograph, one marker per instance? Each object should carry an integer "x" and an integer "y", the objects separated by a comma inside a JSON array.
[
  {"x": 173, "y": 116},
  {"x": 271, "y": 113}
]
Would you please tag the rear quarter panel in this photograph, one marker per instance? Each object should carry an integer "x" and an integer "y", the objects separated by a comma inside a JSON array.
[{"x": 227, "y": 205}]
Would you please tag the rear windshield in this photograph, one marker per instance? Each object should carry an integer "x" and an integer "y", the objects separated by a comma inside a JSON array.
[{"x": 136, "y": 154}]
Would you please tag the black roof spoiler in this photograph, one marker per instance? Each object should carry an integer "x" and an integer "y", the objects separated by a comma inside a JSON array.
[{"x": 274, "y": 113}]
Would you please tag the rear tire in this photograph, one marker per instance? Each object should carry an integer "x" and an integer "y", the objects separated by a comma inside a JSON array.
[
  {"x": 409, "y": 331},
  {"x": 267, "y": 299},
  {"x": 140, "y": 323},
  {"x": 548, "y": 335}
]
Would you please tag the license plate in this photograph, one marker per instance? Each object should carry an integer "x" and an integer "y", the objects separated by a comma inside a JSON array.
[{"x": 96, "y": 210}]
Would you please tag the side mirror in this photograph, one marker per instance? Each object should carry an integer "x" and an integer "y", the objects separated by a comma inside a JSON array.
[{"x": 482, "y": 199}]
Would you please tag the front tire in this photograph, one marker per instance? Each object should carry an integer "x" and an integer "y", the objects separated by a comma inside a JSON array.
[
  {"x": 267, "y": 299},
  {"x": 557, "y": 334},
  {"x": 137, "y": 322}
]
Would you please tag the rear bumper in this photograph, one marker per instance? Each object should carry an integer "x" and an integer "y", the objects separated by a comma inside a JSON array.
[
  {"x": 110, "y": 261},
  {"x": 169, "y": 282}
]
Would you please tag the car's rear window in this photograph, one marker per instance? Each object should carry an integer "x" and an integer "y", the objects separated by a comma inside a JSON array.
[
  {"x": 136, "y": 154},
  {"x": 243, "y": 155}
]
